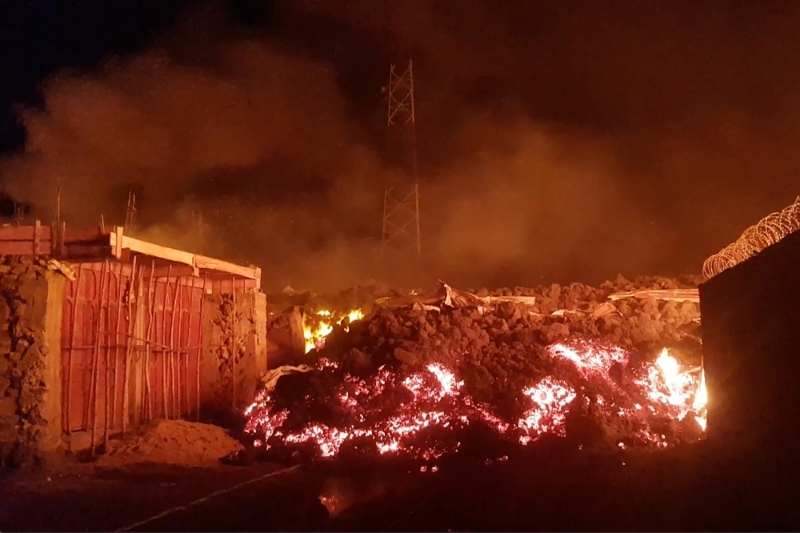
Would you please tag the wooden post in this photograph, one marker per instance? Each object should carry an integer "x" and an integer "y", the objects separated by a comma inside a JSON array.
[
  {"x": 201, "y": 344},
  {"x": 106, "y": 354},
  {"x": 188, "y": 343},
  {"x": 62, "y": 237},
  {"x": 133, "y": 305},
  {"x": 171, "y": 351},
  {"x": 163, "y": 342},
  {"x": 96, "y": 357},
  {"x": 151, "y": 297},
  {"x": 37, "y": 230},
  {"x": 117, "y": 342},
  {"x": 70, "y": 350}
]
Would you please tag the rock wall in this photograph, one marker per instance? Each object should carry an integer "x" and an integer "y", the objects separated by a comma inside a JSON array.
[
  {"x": 235, "y": 356},
  {"x": 285, "y": 338},
  {"x": 30, "y": 350}
]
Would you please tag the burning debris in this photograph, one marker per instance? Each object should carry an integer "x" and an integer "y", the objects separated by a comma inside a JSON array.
[
  {"x": 319, "y": 325},
  {"x": 410, "y": 380}
]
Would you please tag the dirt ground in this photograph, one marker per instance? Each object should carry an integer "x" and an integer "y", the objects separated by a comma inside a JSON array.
[{"x": 675, "y": 490}]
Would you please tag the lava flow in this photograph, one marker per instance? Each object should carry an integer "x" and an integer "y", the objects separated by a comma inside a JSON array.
[{"x": 413, "y": 414}]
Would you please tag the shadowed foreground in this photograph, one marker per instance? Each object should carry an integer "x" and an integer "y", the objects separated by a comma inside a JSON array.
[{"x": 685, "y": 489}]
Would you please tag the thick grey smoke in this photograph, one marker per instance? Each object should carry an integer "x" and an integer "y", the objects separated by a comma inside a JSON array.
[{"x": 553, "y": 146}]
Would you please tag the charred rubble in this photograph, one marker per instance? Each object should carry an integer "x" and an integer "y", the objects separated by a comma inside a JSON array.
[{"x": 497, "y": 347}]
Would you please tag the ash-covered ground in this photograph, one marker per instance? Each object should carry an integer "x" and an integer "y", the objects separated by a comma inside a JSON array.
[{"x": 424, "y": 376}]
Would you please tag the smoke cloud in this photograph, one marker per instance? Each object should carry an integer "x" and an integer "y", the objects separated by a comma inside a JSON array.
[{"x": 555, "y": 145}]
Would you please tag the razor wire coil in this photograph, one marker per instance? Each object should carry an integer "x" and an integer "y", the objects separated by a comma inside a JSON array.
[{"x": 768, "y": 231}]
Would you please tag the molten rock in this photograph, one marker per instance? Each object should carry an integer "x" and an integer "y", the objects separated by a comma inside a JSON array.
[{"x": 410, "y": 380}]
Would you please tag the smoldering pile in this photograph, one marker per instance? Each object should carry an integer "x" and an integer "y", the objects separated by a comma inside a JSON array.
[{"x": 576, "y": 361}]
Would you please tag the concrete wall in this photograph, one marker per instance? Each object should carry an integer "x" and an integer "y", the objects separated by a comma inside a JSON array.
[
  {"x": 235, "y": 353},
  {"x": 751, "y": 344},
  {"x": 30, "y": 358}
]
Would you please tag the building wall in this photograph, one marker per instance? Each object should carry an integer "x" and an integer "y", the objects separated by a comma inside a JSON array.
[
  {"x": 286, "y": 340},
  {"x": 751, "y": 344},
  {"x": 131, "y": 349},
  {"x": 235, "y": 352},
  {"x": 126, "y": 341},
  {"x": 30, "y": 384},
  {"x": 143, "y": 343}
]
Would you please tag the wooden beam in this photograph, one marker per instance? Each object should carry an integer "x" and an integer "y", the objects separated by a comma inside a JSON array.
[
  {"x": 180, "y": 271},
  {"x": 677, "y": 295},
  {"x": 147, "y": 248},
  {"x": 207, "y": 263},
  {"x": 91, "y": 245},
  {"x": 37, "y": 234}
]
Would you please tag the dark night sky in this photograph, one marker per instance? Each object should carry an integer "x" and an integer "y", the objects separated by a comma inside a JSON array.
[{"x": 558, "y": 141}]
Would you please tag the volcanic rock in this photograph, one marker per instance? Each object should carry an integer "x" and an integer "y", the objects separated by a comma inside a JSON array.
[{"x": 501, "y": 348}]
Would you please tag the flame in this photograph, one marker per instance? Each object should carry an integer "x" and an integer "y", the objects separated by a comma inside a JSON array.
[
  {"x": 701, "y": 402},
  {"x": 676, "y": 390},
  {"x": 320, "y": 324},
  {"x": 356, "y": 314},
  {"x": 413, "y": 414}
]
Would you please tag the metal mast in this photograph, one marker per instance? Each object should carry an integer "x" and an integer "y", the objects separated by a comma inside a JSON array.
[
  {"x": 130, "y": 213},
  {"x": 401, "y": 234}
]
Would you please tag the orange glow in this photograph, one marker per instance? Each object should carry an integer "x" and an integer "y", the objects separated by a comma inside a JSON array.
[
  {"x": 319, "y": 325},
  {"x": 435, "y": 399},
  {"x": 701, "y": 402}
]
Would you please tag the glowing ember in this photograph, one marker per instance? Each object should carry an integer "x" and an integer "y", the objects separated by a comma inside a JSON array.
[
  {"x": 414, "y": 414},
  {"x": 551, "y": 398},
  {"x": 589, "y": 358},
  {"x": 319, "y": 325}
]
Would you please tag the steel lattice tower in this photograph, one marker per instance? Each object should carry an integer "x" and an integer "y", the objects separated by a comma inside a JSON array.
[
  {"x": 401, "y": 230},
  {"x": 130, "y": 213}
]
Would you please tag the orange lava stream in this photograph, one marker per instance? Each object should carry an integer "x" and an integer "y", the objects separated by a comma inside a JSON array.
[{"x": 435, "y": 400}]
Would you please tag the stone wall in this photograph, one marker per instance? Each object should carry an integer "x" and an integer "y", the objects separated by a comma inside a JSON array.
[
  {"x": 235, "y": 353},
  {"x": 286, "y": 342},
  {"x": 30, "y": 349}
]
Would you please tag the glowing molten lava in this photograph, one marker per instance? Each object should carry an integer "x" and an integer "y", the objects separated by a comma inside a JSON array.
[
  {"x": 319, "y": 325},
  {"x": 413, "y": 414}
]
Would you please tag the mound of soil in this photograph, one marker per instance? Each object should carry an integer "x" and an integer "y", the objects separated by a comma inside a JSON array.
[{"x": 174, "y": 442}]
